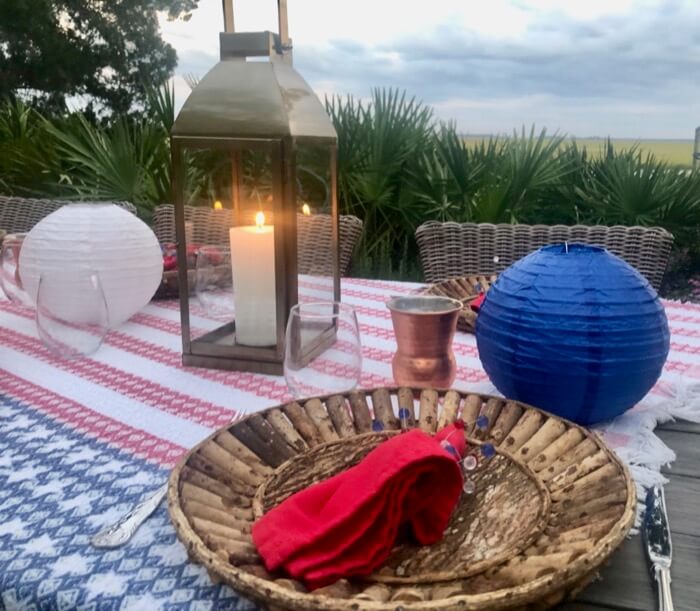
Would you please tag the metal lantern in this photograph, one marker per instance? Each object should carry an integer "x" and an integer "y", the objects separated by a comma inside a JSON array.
[{"x": 255, "y": 152}]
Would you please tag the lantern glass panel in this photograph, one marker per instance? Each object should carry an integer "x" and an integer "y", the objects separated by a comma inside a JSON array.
[
  {"x": 316, "y": 242},
  {"x": 231, "y": 228}
]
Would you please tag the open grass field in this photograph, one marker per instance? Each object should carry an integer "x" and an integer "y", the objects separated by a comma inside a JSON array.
[{"x": 675, "y": 152}]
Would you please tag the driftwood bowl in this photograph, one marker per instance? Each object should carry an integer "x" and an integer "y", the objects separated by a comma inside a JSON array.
[
  {"x": 549, "y": 508},
  {"x": 466, "y": 290}
]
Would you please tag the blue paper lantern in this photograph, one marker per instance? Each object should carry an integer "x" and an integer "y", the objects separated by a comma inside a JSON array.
[{"x": 574, "y": 330}]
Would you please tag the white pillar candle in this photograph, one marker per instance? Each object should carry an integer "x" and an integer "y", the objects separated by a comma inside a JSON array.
[{"x": 253, "y": 268}]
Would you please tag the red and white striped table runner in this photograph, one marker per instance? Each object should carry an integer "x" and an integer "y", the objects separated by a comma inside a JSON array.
[{"x": 135, "y": 395}]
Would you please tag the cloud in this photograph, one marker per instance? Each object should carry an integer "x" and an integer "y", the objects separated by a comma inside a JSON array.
[
  {"x": 630, "y": 73},
  {"x": 195, "y": 62},
  {"x": 617, "y": 55},
  {"x": 643, "y": 63}
]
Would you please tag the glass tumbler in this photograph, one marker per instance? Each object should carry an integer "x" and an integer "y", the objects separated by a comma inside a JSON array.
[
  {"x": 213, "y": 282},
  {"x": 323, "y": 351},
  {"x": 10, "y": 279},
  {"x": 71, "y": 312}
]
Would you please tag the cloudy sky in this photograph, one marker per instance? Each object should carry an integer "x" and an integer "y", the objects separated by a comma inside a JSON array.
[{"x": 625, "y": 68}]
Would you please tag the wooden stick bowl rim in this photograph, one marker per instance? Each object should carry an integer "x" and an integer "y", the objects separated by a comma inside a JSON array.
[{"x": 574, "y": 573}]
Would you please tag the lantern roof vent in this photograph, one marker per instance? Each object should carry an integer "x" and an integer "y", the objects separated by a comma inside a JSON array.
[{"x": 241, "y": 99}]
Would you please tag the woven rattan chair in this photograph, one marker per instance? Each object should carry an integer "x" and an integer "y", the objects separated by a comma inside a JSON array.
[
  {"x": 452, "y": 250},
  {"x": 20, "y": 214},
  {"x": 211, "y": 226}
]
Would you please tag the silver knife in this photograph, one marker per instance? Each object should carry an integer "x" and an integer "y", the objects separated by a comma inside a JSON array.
[{"x": 657, "y": 536}]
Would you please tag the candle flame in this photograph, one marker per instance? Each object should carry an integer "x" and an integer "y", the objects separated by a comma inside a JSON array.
[
  {"x": 306, "y": 210},
  {"x": 218, "y": 205},
  {"x": 260, "y": 220}
]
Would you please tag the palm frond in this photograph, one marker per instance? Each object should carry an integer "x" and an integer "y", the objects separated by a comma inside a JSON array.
[
  {"x": 160, "y": 104},
  {"x": 124, "y": 162}
]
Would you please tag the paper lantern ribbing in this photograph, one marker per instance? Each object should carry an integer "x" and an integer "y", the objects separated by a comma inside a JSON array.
[
  {"x": 573, "y": 330},
  {"x": 102, "y": 238}
]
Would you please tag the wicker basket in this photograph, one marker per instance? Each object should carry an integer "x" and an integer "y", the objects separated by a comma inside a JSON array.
[
  {"x": 465, "y": 290},
  {"x": 549, "y": 508}
]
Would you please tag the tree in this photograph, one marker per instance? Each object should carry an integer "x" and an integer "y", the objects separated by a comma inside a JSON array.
[{"x": 106, "y": 50}]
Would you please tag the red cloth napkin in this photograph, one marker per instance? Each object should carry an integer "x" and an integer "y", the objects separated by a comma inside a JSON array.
[
  {"x": 476, "y": 303},
  {"x": 347, "y": 525}
]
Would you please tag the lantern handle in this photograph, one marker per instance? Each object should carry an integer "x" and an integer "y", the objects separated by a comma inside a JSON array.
[
  {"x": 283, "y": 25},
  {"x": 283, "y": 22},
  {"x": 227, "y": 6}
]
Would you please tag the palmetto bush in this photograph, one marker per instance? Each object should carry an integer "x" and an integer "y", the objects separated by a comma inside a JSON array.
[
  {"x": 630, "y": 188},
  {"x": 72, "y": 157},
  {"x": 448, "y": 174},
  {"x": 126, "y": 160},
  {"x": 29, "y": 164},
  {"x": 380, "y": 144},
  {"x": 520, "y": 173},
  {"x": 397, "y": 167},
  {"x": 495, "y": 181}
]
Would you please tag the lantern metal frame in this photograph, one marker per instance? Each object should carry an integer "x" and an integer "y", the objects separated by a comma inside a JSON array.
[{"x": 213, "y": 107}]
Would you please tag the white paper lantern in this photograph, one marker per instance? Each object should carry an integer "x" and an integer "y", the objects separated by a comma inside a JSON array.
[{"x": 102, "y": 238}]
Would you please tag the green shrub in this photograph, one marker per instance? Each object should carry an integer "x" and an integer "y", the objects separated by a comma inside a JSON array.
[
  {"x": 29, "y": 164},
  {"x": 629, "y": 188},
  {"x": 397, "y": 167},
  {"x": 380, "y": 144}
]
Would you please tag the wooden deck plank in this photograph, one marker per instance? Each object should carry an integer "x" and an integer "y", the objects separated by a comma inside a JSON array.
[
  {"x": 682, "y": 426},
  {"x": 687, "y": 449},
  {"x": 683, "y": 502},
  {"x": 579, "y": 606},
  {"x": 627, "y": 584}
]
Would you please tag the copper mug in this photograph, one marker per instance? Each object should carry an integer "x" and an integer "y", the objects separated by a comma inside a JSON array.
[{"x": 424, "y": 326}]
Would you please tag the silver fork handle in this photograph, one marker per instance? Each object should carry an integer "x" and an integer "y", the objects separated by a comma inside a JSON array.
[
  {"x": 121, "y": 531},
  {"x": 663, "y": 581}
]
